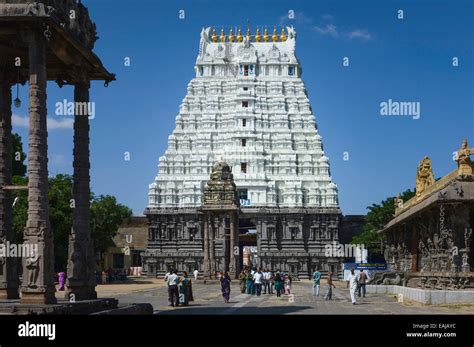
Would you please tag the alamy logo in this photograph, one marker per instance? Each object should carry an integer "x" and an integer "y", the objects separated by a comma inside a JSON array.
[
  {"x": 341, "y": 250},
  {"x": 26, "y": 250},
  {"x": 69, "y": 108},
  {"x": 37, "y": 330},
  {"x": 400, "y": 108}
]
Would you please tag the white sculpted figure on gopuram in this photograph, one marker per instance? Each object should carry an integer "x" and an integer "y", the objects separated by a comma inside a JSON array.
[{"x": 247, "y": 108}]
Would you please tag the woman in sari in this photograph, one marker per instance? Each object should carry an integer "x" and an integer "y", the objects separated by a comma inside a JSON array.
[
  {"x": 185, "y": 288},
  {"x": 278, "y": 284},
  {"x": 242, "y": 279},
  {"x": 225, "y": 287},
  {"x": 249, "y": 283}
]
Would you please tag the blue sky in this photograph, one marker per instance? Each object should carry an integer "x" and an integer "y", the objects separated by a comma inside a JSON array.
[{"x": 402, "y": 60}]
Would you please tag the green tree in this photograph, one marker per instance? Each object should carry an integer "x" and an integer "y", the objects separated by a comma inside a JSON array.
[
  {"x": 377, "y": 217},
  {"x": 18, "y": 156},
  {"x": 106, "y": 217}
]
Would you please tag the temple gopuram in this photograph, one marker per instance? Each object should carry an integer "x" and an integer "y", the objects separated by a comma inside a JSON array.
[
  {"x": 429, "y": 239},
  {"x": 247, "y": 107}
]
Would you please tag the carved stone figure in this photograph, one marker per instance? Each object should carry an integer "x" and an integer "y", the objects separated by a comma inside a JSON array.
[
  {"x": 33, "y": 267},
  {"x": 424, "y": 176}
]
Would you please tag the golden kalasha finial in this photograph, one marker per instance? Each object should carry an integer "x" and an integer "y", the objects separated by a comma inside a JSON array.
[
  {"x": 231, "y": 35},
  {"x": 258, "y": 37},
  {"x": 249, "y": 35},
  {"x": 240, "y": 38},
  {"x": 222, "y": 37},
  {"x": 266, "y": 38},
  {"x": 275, "y": 35},
  {"x": 283, "y": 35},
  {"x": 214, "y": 36}
]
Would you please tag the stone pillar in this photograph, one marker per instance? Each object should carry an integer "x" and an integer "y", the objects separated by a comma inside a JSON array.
[
  {"x": 212, "y": 246},
  {"x": 8, "y": 265},
  {"x": 38, "y": 270},
  {"x": 206, "y": 265},
  {"x": 259, "y": 243},
  {"x": 81, "y": 258},
  {"x": 233, "y": 268}
]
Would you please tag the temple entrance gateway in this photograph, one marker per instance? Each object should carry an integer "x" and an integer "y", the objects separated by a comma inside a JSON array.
[{"x": 260, "y": 124}]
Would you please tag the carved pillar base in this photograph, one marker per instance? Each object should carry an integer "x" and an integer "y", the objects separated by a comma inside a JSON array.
[
  {"x": 41, "y": 298},
  {"x": 9, "y": 293}
]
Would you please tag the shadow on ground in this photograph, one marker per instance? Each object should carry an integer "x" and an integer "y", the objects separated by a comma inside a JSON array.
[{"x": 224, "y": 310}]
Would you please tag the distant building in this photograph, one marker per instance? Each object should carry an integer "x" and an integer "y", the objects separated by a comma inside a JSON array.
[{"x": 130, "y": 241}]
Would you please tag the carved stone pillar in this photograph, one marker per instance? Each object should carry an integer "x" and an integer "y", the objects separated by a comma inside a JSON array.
[
  {"x": 206, "y": 265},
  {"x": 212, "y": 245},
  {"x": 81, "y": 258},
  {"x": 232, "y": 255},
  {"x": 38, "y": 270},
  {"x": 8, "y": 265}
]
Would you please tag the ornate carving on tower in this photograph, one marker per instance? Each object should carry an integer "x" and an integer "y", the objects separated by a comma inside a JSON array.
[
  {"x": 424, "y": 176},
  {"x": 220, "y": 189}
]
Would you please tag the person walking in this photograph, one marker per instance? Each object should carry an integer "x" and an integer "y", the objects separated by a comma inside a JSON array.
[
  {"x": 352, "y": 285},
  {"x": 316, "y": 282},
  {"x": 173, "y": 293},
  {"x": 250, "y": 286},
  {"x": 362, "y": 283},
  {"x": 278, "y": 284},
  {"x": 196, "y": 274},
  {"x": 242, "y": 281},
  {"x": 270, "y": 282},
  {"x": 258, "y": 278},
  {"x": 329, "y": 287},
  {"x": 225, "y": 287},
  {"x": 287, "y": 285},
  {"x": 61, "y": 280}
]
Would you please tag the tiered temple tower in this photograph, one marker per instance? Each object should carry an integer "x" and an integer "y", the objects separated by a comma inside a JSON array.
[{"x": 248, "y": 107}]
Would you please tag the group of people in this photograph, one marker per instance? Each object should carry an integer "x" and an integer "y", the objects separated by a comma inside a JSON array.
[
  {"x": 179, "y": 287},
  {"x": 253, "y": 280},
  {"x": 317, "y": 284}
]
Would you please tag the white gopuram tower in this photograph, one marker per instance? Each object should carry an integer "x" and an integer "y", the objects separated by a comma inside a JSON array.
[{"x": 247, "y": 106}]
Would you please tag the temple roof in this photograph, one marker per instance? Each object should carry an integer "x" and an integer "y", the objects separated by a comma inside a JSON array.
[{"x": 69, "y": 41}]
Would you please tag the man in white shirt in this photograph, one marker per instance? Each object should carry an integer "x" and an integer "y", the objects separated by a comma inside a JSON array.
[
  {"x": 352, "y": 285},
  {"x": 173, "y": 292},
  {"x": 196, "y": 273},
  {"x": 258, "y": 278}
]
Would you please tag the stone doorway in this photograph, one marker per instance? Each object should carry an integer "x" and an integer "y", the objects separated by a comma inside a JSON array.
[{"x": 248, "y": 251}]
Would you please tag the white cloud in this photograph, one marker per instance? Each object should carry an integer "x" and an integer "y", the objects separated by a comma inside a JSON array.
[
  {"x": 329, "y": 29},
  {"x": 362, "y": 34},
  {"x": 300, "y": 18},
  {"x": 327, "y": 17},
  {"x": 53, "y": 124}
]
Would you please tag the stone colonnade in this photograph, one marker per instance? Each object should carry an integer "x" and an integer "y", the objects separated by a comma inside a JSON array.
[{"x": 37, "y": 285}]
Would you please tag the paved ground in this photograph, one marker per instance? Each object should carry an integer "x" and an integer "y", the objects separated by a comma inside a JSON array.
[{"x": 208, "y": 300}]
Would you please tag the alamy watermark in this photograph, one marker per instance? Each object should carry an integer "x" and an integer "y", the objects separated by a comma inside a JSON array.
[
  {"x": 342, "y": 250},
  {"x": 71, "y": 108},
  {"x": 400, "y": 108},
  {"x": 25, "y": 250}
]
